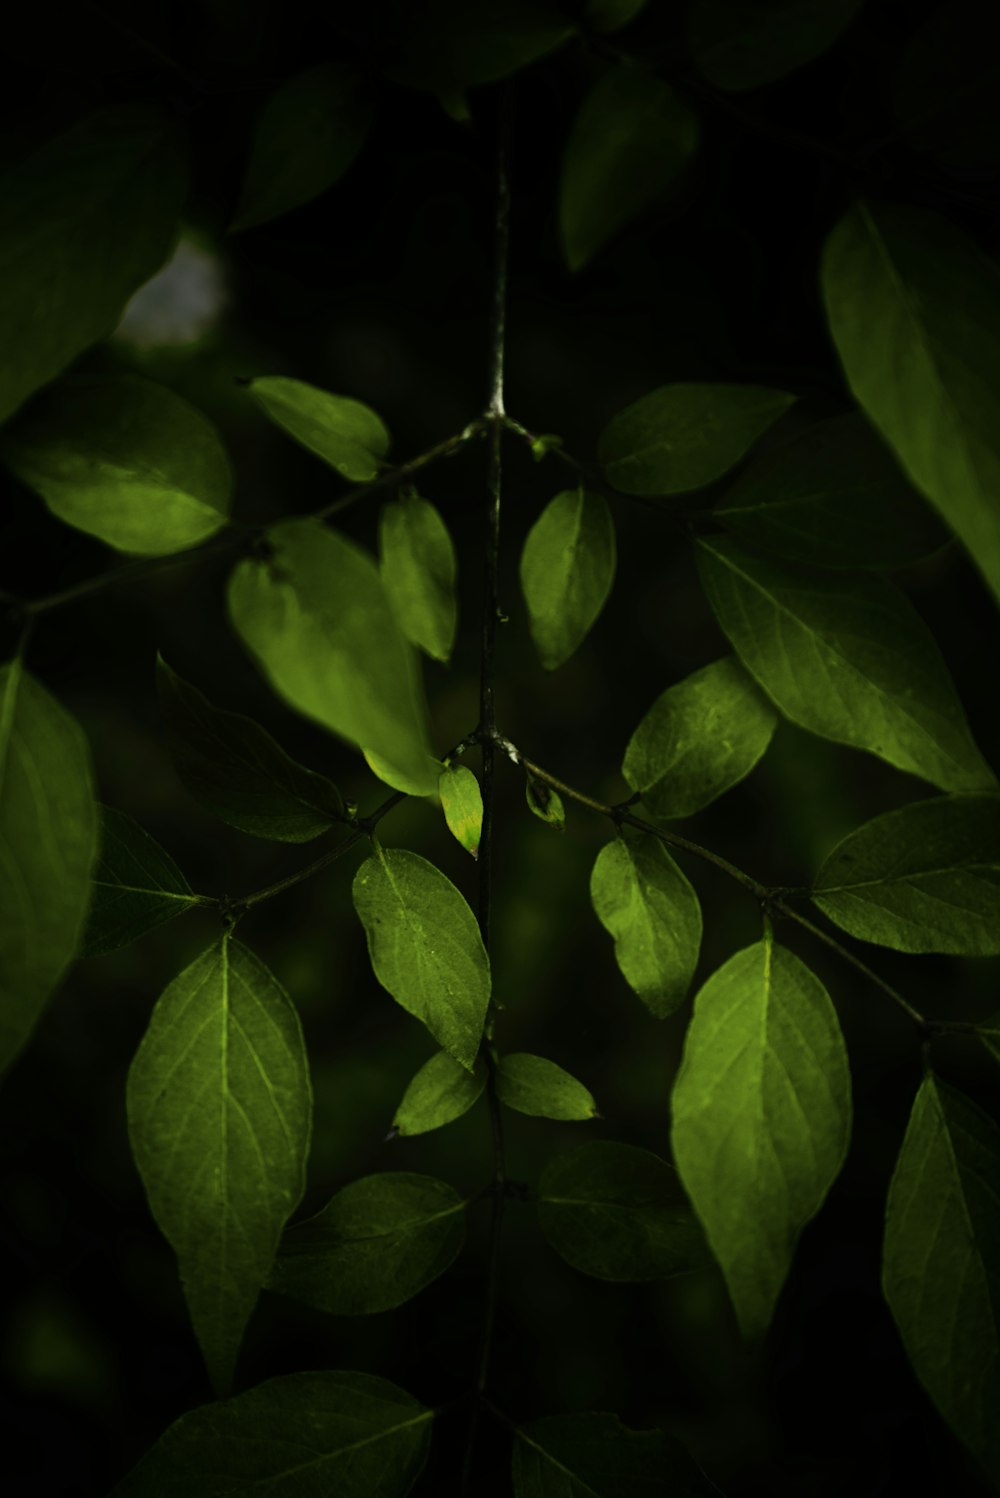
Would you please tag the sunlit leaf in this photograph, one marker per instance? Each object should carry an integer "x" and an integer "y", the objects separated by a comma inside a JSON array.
[
  {"x": 343, "y": 432},
  {"x": 137, "y": 886},
  {"x": 743, "y": 44},
  {"x": 418, "y": 573},
  {"x": 567, "y": 568},
  {"x": 644, "y": 901},
  {"x": 540, "y": 1088},
  {"x": 441, "y": 1091},
  {"x": 462, "y": 802}
]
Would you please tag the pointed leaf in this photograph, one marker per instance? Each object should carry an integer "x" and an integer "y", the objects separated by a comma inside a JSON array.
[
  {"x": 644, "y": 901},
  {"x": 847, "y": 657},
  {"x": 567, "y": 568},
  {"x": 462, "y": 802},
  {"x": 545, "y": 803},
  {"x": 137, "y": 886},
  {"x": 742, "y": 44},
  {"x": 761, "y": 1117},
  {"x": 418, "y": 573},
  {"x": 595, "y": 1456},
  {"x": 343, "y": 432},
  {"x": 540, "y": 1088},
  {"x": 441, "y": 1091}
]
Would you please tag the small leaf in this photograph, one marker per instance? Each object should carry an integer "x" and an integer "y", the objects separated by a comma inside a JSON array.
[
  {"x": 374, "y": 1246},
  {"x": 941, "y": 1262},
  {"x": 700, "y": 737},
  {"x": 644, "y": 901},
  {"x": 540, "y": 1088},
  {"x": 234, "y": 768},
  {"x": 925, "y": 878},
  {"x": 425, "y": 947},
  {"x": 594, "y": 1455},
  {"x": 343, "y": 432},
  {"x": 137, "y": 886},
  {"x": 462, "y": 802},
  {"x": 683, "y": 436},
  {"x": 761, "y": 1117},
  {"x": 567, "y": 568},
  {"x": 742, "y": 44},
  {"x": 545, "y": 803},
  {"x": 616, "y": 1213},
  {"x": 346, "y": 1433},
  {"x": 418, "y": 574},
  {"x": 441, "y": 1091}
]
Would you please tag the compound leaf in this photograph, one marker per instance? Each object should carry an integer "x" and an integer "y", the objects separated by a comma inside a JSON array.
[
  {"x": 540, "y": 1088},
  {"x": 650, "y": 909},
  {"x": 742, "y": 44},
  {"x": 441, "y": 1091},
  {"x": 137, "y": 886},
  {"x": 418, "y": 573},
  {"x": 567, "y": 569},
  {"x": 594, "y": 1455},
  {"x": 343, "y": 432},
  {"x": 462, "y": 802}
]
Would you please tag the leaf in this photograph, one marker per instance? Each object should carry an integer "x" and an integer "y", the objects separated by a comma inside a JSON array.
[
  {"x": 452, "y": 45},
  {"x": 462, "y": 802},
  {"x": 400, "y": 780},
  {"x": 545, "y": 803},
  {"x": 374, "y": 1246},
  {"x": 630, "y": 143},
  {"x": 944, "y": 94},
  {"x": 611, "y": 15},
  {"x": 941, "y": 1262},
  {"x": 418, "y": 574},
  {"x": 346, "y": 1433},
  {"x": 684, "y": 436},
  {"x": 84, "y": 221},
  {"x": 929, "y": 380},
  {"x": 925, "y": 878},
  {"x": 846, "y": 657},
  {"x": 125, "y": 460},
  {"x": 234, "y": 768},
  {"x": 425, "y": 947},
  {"x": 594, "y": 1455},
  {"x": 219, "y": 1117},
  {"x": 614, "y": 1212},
  {"x": 647, "y": 905},
  {"x": 761, "y": 1117},
  {"x": 308, "y": 134},
  {"x": 988, "y": 1031},
  {"x": 832, "y": 496},
  {"x": 742, "y": 44},
  {"x": 540, "y": 1088},
  {"x": 48, "y": 840},
  {"x": 343, "y": 432},
  {"x": 567, "y": 568},
  {"x": 316, "y": 618},
  {"x": 701, "y": 737},
  {"x": 137, "y": 886},
  {"x": 441, "y": 1091}
]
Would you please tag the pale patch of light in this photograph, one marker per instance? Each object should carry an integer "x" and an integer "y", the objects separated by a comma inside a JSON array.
[{"x": 180, "y": 305}]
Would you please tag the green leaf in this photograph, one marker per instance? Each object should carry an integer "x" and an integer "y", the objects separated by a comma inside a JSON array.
[
  {"x": 219, "y": 1117},
  {"x": 316, "y": 618},
  {"x": 84, "y": 221},
  {"x": 308, "y": 134},
  {"x": 941, "y": 1262},
  {"x": 647, "y": 905},
  {"x": 630, "y": 143},
  {"x": 452, "y": 45},
  {"x": 346, "y": 1433},
  {"x": 48, "y": 838},
  {"x": 235, "y": 769},
  {"x": 847, "y": 657},
  {"x": 832, "y": 496},
  {"x": 611, "y": 15},
  {"x": 684, "y": 436},
  {"x": 925, "y": 878},
  {"x": 441, "y": 1091},
  {"x": 929, "y": 380},
  {"x": 137, "y": 886},
  {"x": 125, "y": 460},
  {"x": 462, "y": 802},
  {"x": 761, "y": 1117},
  {"x": 701, "y": 736},
  {"x": 418, "y": 573},
  {"x": 540, "y": 1088},
  {"x": 400, "y": 780},
  {"x": 343, "y": 432},
  {"x": 425, "y": 947},
  {"x": 743, "y": 44},
  {"x": 615, "y": 1212},
  {"x": 944, "y": 94},
  {"x": 545, "y": 803},
  {"x": 594, "y": 1455},
  {"x": 374, "y": 1246},
  {"x": 567, "y": 568}
]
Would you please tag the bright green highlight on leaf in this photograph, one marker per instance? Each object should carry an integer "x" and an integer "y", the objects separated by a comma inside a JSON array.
[
  {"x": 441, "y": 1091},
  {"x": 540, "y": 1088},
  {"x": 567, "y": 569},
  {"x": 374, "y": 1246},
  {"x": 462, "y": 803},
  {"x": 219, "y": 1118},
  {"x": 545, "y": 803},
  {"x": 425, "y": 947},
  {"x": 683, "y": 436},
  {"x": 650, "y": 909},
  {"x": 847, "y": 657},
  {"x": 593, "y": 1455},
  {"x": 48, "y": 842},
  {"x": 941, "y": 1262},
  {"x": 700, "y": 737},
  {"x": 418, "y": 573},
  {"x": 137, "y": 886},
  {"x": 744, "y": 44},
  {"x": 343, "y": 432},
  {"x": 925, "y": 878},
  {"x": 761, "y": 1117},
  {"x": 346, "y": 1433}
]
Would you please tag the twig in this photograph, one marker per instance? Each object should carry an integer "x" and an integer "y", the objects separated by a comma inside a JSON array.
[{"x": 403, "y": 471}]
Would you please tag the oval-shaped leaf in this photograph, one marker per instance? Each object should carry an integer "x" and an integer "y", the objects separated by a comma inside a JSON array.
[
  {"x": 594, "y": 1455},
  {"x": 925, "y": 878},
  {"x": 761, "y": 1117},
  {"x": 219, "y": 1117},
  {"x": 545, "y": 803},
  {"x": 567, "y": 568},
  {"x": 137, "y": 886},
  {"x": 644, "y": 901},
  {"x": 742, "y": 44},
  {"x": 418, "y": 573},
  {"x": 700, "y": 737},
  {"x": 374, "y": 1246},
  {"x": 462, "y": 803},
  {"x": 343, "y": 432},
  {"x": 441, "y": 1091},
  {"x": 425, "y": 947},
  {"x": 540, "y": 1088},
  {"x": 847, "y": 657},
  {"x": 683, "y": 436}
]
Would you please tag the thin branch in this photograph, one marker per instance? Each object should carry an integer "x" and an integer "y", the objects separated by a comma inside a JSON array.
[{"x": 403, "y": 471}]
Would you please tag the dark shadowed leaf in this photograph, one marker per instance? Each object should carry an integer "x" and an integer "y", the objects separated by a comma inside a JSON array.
[
  {"x": 649, "y": 907},
  {"x": 743, "y": 44},
  {"x": 418, "y": 573},
  {"x": 540, "y": 1088},
  {"x": 462, "y": 803},
  {"x": 441, "y": 1091},
  {"x": 595, "y": 1456},
  {"x": 545, "y": 803},
  {"x": 343, "y": 432},
  {"x": 137, "y": 886},
  {"x": 567, "y": 569},
  {"x": 611, "y": 15},
  {"x": 988, "y": 1032},
  {"x": 451, "y": 45},
  {"x": 945, "y": 93}
]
